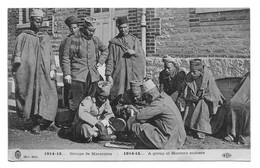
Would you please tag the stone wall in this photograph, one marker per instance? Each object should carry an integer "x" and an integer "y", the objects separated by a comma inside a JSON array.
[{"x": 221, "y": 39}]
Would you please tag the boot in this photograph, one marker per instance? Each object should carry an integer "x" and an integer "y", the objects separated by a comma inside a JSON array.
[
  {"x": 35, "y": 125},
  {"x": 44, "y": 124},
  {"x": 103, "y": 135},
  {"x": 36, "y": 130}
]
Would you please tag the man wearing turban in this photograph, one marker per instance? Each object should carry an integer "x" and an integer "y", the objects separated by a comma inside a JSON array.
[
  {"x": 172, "y": 81},
  {"x": 94, "y": 118},
  {"x": 158, "y": 125},
  {"x": 203, "y": 99},
  {"x": 34, "y": 71},
  {"x": 126, "y": 59},
  {"x": 80, "y": 61}
]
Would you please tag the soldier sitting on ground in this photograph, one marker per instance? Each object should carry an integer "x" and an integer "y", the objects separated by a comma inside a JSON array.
[
  {"x": 172, "y": 81},
  {"x": 94, "y": 119},
  {"x": 158, "y": 125},
  {"x": 130, "y": 102},
  {"x": 203, "y": 101}
]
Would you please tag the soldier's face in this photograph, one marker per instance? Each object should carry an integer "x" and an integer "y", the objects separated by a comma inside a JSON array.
[
  {"x": 123, "y": 29},
  {"x": 195, "y": 74},
  {"x": 74, "y": 28},
  {"x": 137, "y": 97},
  {"x": 89, "y": 31},
  {"x": 169, "y": 68},
  {"x": 147, "y": 97},
  {"x": 36, "y": 23},
  {"x": 102, "y": 99}
]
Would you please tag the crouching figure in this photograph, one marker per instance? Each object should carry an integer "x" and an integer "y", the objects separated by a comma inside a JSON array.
[
  {"x": 94, "y": 119},
  {"x": 158, "y": 125}
]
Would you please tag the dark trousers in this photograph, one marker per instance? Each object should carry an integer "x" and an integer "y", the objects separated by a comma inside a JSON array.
[
  {"x": 67, "y": 94},
  {"x": 79, "y": 90}
]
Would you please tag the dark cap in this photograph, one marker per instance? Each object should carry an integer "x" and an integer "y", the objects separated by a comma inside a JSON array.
[
  {"x": 196, "y": 64},
  {"x": 71, "y": 20},
  {"x": 121, "y": 20}
]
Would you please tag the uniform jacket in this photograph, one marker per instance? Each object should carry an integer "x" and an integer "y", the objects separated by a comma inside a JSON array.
[
  {"x": 62, "y": 47},
  {"x": 90, "y": 113},
  {"x": 168, "y": 129},
  {"x": 81, "y": 55}
]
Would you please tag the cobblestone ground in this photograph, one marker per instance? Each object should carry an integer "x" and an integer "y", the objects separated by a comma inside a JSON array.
[{"x": 19, "y": 138}]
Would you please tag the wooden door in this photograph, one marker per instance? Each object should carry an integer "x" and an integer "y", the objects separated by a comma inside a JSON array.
[{"x": 106, "y": 26}]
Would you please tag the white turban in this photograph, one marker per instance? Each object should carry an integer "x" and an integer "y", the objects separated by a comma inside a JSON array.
[
  {"x": 167, "y": 58},
  {"x": 37, "y": 12},
  {"x": 147, "y": 86}
]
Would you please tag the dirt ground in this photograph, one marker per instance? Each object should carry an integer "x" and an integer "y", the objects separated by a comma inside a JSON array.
[{"x": 19, "y": 138}]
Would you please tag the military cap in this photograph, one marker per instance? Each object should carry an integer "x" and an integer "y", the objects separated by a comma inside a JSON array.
[
  {"x": 121, "y": 20},
  {"x": 196, "y": 64},
  {"x": 147, "y": 86},
  {"x": 71, "y": 20}
]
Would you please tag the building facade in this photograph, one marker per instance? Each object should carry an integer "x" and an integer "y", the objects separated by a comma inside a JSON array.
[{"x": 219, "y": 36}]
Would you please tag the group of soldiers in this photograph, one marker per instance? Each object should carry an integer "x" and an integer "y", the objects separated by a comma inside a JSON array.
[{"x": 126, "y": 101}]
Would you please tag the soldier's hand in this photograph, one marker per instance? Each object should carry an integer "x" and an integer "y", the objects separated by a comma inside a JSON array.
[
  {"x": 110, "y": 80},
  {"x": 130, "y": 108},
  {"x": 200, "y": 93},
  {"x": 131, "y": 52},
  {"x": 67, "y": 79},
  {"x": 98, "y": 64},
  {"x": 53, "y": 74}
]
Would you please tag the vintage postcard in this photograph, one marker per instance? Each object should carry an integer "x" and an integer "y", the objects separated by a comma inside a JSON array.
[{"x": 129, "y": 84}]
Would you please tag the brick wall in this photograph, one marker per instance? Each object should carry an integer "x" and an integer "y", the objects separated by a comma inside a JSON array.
[
  {"x": 153, "y": 27},
  {"x": 221, "y": 39},
  {"x": 12, "y": 21},
  {"x": 60, "y": 29}
]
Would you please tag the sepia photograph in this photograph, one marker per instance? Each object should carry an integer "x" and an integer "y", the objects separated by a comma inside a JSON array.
[{"x": 129, "y": 84}]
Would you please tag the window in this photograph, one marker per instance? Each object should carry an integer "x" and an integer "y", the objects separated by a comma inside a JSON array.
[
  {"x": 99, "y": 10},
  {"x": 208, "y": 10},
  {"x": 105, "y": 9},
  {"x": 117, "y": 9}
]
